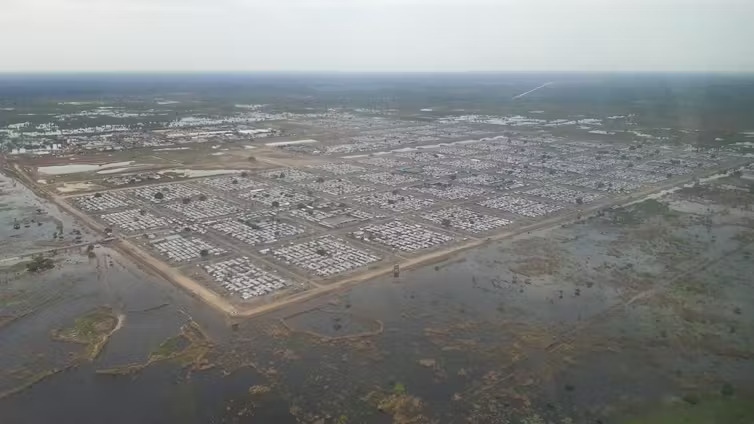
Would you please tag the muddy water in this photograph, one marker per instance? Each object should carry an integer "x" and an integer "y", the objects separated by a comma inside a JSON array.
[
  {"x": 540, "y": 326},
  {"x": 153, "y": 312},
  {"x": 28, "y": 223}
]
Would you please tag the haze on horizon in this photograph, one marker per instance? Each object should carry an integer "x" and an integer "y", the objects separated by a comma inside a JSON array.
[{"x": 377, "y": 35}]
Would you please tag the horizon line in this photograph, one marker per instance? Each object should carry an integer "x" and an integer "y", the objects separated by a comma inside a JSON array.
[{"x": 364, "y": 72}]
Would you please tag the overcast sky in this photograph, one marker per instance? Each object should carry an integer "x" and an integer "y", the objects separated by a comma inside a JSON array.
[{"x": 376, "y": 35}]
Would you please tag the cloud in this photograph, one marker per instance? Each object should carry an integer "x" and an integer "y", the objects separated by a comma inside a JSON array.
[{"x": 445, "y": 35}]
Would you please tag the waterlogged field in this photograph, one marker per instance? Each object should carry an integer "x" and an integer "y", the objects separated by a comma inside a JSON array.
[{"x": 639, "y": 314}]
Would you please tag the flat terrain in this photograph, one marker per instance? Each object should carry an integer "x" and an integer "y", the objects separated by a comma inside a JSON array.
[{"x": 528, "y": 249}]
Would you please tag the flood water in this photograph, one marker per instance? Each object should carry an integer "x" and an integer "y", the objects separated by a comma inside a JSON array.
[{"x": 579, "y": 323}]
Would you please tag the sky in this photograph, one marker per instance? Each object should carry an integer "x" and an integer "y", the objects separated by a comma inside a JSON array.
[{"x": 376, "y": 35}]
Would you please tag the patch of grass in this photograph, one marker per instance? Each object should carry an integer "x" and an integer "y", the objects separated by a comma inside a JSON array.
[
  {"x": 704, "y": 411},
  {"x": 170, "y": 347},
  {"x": 399, "y": 389},
  {"x": 92, "y": 329},
  {"x": 641, "y": 212},
  {"x": 189, "y": 349}
]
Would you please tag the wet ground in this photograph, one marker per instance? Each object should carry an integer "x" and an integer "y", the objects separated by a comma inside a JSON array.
[
  {"x": 30, "y": 224},
  {"x": 645, "y": 309}
]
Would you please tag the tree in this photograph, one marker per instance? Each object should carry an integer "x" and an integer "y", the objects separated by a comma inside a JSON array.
[
  {"x": 579, "y": 201},
  {"x": 396, "y": 191},
  {"x": 275, "y": 204},
  {"x": 252, "y": 159},
  {"x": 446, "y": 222},
  {"x": 322, "y": 252},
  {"x": 186, "y": 200},
  {"x": 245, "y": 174},
  {"x": 97, "y": 194},
  {"x": 320, "y": 179},
  {"x": 453, "y": 177},
  {"x": 301, "y": 206},
  {"x": 159, "y": 195},
  {"x": 204, "y": 253},
  {"x": 202, "y": 197},
  {"x": 234, "y": 181},
  {"x": 282, "y": 175}
]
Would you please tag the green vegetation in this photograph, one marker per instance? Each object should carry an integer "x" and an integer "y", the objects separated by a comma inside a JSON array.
[
  {"x": 169, "y": 347},
  {"x": 399, "y": 389},
  {"x": 402, "y": 407},
  {"x": 92, "y": 329},
  {"x": 641, "y": 212},
  {"x": 39, "y": 263},
  {"x": 190, "y": 349},
  {"x": 704, "y": 411}
]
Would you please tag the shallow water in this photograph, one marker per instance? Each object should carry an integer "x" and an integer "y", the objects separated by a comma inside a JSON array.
[{"x": 543, "y": 324}]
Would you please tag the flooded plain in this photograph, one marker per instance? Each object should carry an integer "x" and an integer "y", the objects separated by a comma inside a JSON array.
[{"x": 634, "y": 315}]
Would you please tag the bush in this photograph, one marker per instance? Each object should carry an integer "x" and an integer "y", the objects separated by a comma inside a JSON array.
[{"x": 40, "y": 263}]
